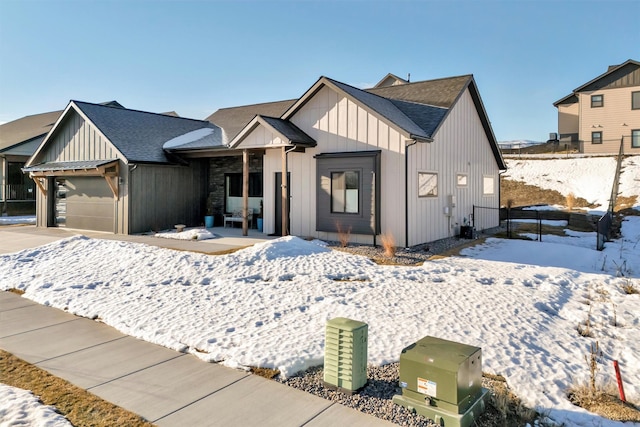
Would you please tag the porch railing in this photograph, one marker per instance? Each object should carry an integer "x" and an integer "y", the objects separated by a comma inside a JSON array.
[{"x": 25, "y": 191}]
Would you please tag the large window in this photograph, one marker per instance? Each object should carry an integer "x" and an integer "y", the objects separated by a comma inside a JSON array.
[
  {"x": 635, "y": 100},
  {"x": 345, "y": 191},
  {"x": 488, "y": 185},
  {"x": 635, "y": 138},
  {"x": 427, "y": 184},
  {"x": 234, "y": 184},
  {"x": 596, "y": 137},
  {"x": 597, "y": 101}
]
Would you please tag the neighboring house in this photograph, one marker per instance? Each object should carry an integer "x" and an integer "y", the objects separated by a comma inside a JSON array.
[
  {"x": 104, "y": 168},
  {"x": 18, "y": 141},
  {"x": 604, "y": 112}
]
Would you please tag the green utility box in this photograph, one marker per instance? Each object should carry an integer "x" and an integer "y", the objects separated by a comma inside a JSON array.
[
  {"x": 442, "y": 380},
  {"x": 345, "y": 354}
]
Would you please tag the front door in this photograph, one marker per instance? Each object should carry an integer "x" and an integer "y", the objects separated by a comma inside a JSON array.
[{"x": 278, "y": 204}]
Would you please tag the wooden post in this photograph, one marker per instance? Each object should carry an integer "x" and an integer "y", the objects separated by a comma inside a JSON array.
[
  {"x": 285, "y": 195},
  {"x": 245, "y": 191}
]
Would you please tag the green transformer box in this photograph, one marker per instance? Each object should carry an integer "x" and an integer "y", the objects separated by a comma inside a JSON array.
[{"x": 442, "y": 380}]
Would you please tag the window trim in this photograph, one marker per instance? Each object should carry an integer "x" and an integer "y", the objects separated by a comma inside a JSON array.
[
  {"x": 431, "y": 194},
  {"x": 484, "y": 185},
  {"x": 359, "y": 188},
  {"x": 638, "y": 138},
  {"x": 594, "y": 102},
  {"x": 466, "y": 180},
  {"x": 599, "y": 139},
  {"x": 637, "y": 95}
]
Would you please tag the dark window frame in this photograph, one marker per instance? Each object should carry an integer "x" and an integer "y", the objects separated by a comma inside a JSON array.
[
  {"x": 637, "y": 142},
  {"x": 598, "y": 139},
  {"x": 346, "y": 187},
  {"x": 595, "y": 103},
  {"x": 635, "y": 100},
  {"x": 234, "y": 183}
]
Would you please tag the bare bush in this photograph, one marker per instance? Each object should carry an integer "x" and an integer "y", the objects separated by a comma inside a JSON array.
[
  {"x": 344, "y": 235},
  {"x": 570, "y": 201},
  {"x": 388, "y": 244}
]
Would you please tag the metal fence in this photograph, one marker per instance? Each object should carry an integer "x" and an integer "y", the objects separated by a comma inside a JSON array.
[{"x": 605, "y": 222}]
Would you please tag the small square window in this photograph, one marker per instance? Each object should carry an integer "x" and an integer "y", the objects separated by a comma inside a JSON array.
[
  {"x": 488, "y": 185},
  {"x": 427, "y": 184},
  {"x": 461, "y": 180},
  {"x": 635, "y": 138},
  {"x": 635, "y": 100},
  {"x": 596, "y": 137},
  {"x": 597, "y": 101}
]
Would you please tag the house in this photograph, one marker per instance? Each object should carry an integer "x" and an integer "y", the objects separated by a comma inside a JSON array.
[
  {"x": 407, "y": 159},
  {"x": 104, "y": 167},
  {"x": 18, "y": 141},
  {"x": 603, "y": 113}
]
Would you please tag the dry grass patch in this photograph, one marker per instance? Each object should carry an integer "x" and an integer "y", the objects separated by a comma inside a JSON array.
[
  {"x": 388, "y": 244},
  {"x": 16, "y": 291},
  {"x": 624, "y": 203},
  {"x": 523, "y": 194},
  {"x": 629, "y": 287},
  {"x": 511, "y": 411},
  {"x": 604, "y": 403},
  {"x": 79, "y": 406},
  {"x": 267, "y": 373}
]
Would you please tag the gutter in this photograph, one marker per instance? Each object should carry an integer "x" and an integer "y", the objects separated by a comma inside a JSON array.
[{"x": 414, "y": 140}]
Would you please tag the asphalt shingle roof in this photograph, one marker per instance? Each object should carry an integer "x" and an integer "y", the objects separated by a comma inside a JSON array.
[
  {"x": 439, "y": 92},
  {"x": 26, "y": 128},
  {"x": 291, "y": 131},
  {"x": 140, "y": 135},
  {"x": 233, "y": 120}
]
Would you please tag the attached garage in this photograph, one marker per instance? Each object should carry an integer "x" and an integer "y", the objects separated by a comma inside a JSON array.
[
  {"x": 86, "y": 203},
  {"x": 104, "y": 168}
]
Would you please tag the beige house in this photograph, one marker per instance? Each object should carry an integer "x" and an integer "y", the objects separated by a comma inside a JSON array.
[{"x": 604, "y": 112}]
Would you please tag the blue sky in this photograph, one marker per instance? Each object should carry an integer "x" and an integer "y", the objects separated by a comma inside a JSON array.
[{"x": 197, "y": 56}]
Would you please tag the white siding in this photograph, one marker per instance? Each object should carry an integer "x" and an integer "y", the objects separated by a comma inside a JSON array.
[
  {"x": 460, "y": 147},
  {"x": 338, "y": 124}
]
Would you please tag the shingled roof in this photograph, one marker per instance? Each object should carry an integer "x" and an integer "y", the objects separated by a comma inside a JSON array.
[
  {"x": 233, "y": 120},
  {"x": 439, "y": 92},
  {"x": 26, "y": 128}
]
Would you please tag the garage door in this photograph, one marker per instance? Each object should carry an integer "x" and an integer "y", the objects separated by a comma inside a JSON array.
[{"x": 89, "y": 204}]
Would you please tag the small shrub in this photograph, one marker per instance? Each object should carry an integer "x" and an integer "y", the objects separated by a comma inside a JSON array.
[
  {"x": 585, "y": 331},
  {"x": 343, "y": 235},
  {"x": 570, "y": 201},
  {"x": 629, "y": 288},
  {"x": 388, "y": 244},
  {"x": 592, "y": 359}
]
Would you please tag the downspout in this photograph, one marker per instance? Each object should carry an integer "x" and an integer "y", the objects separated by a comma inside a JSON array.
[
  {"x": 285, "y": 184},
  {"x": 406, "y": 191}
]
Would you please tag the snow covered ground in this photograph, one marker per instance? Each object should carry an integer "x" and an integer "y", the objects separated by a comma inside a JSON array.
[
  {"x": 22, "y": 219},
  {"x": 21, "y": 408},
  {"x": 587, "y": 177},
  {"x": 267, "y": 305}
]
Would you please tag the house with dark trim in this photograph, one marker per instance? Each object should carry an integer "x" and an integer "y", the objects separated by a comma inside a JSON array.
[
  {"x": 604, "y": 113},
  {"x": 407, "y": 159}
]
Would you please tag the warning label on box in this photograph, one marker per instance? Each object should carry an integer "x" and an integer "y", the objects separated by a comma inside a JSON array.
[{"x": 427, "y": 387}]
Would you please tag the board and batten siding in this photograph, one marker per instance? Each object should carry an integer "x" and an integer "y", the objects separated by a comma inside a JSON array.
[
  {"x": 460, "y": 146},
  {"x": 76, "y": 139},
  {"x": 162, "y": 196},
  {"x": 337, "y": 124},
  {"x": 615, "y": 120}
]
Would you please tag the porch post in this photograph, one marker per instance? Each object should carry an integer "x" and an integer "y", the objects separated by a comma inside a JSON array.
[
  {"x": 245, "y": 191},
  {"x": 285, "y": 194}
]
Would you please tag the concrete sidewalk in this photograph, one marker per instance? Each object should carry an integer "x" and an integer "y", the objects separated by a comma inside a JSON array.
[{"x": 163, "y": 386}]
